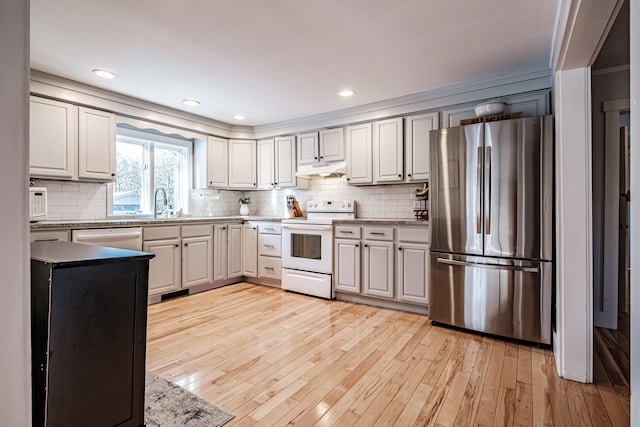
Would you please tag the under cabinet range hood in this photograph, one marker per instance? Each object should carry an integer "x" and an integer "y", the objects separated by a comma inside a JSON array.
[{"x": 323, "y": 169}]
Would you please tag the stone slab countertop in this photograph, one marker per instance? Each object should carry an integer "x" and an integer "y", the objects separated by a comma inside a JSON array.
[
  {"x": 138, "y": 222},
  {"x": 384, "y": 221}
]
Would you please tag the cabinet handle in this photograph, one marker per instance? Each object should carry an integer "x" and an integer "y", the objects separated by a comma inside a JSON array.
[
  {"x": 276, "y": 183},
  {"x": 177, "y": 246},
  {"x": 113, "y": 174},
  {"x": 269, "y": 246},
  {"x": 357, "y": 246},
  {"x": 322, "y": 157},
  {"x": 346, "y": 232},
  {"x": 268, "y": 268},
  {"x": 272, "y": 183},
  {"x": 253, "y": 228},
  {"x": 186, "y": 244},
  {"x": 224, "y": 228},
  {"x": 254, "y": 184},
  {"x": 315, "y": 158},
  {"x": 348, "y": 179},
  {"x": 366, "y": 246},
  {"x": 399, "y": 249},
  {"x": 400, "y": 175},
  {"x": 376, "y": 233},
  {"x": 409, "y": 175}
]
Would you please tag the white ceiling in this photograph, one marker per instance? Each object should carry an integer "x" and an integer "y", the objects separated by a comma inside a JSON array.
[{"x": 282, "y": 59}]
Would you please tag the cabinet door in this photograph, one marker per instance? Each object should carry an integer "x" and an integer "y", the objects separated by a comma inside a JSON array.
[
  {"x": 197, "y": 259},
  {"x": 417, "y": 158},
  {"x": 378, "y": 269},
  {"x": 250, "y": 250},
  {"x": 96, "y": 145},
  {"x": 266, "y": 162},
  {"x": 332, "y": 145},
  {"x": 285, "y": 170},
  {"x": 217, "y": 162},
  {"x": 219, "y": 252},
  {"x": 347, "y": 265},
  {"x": 234, "y": 255},
  {"x": 53, "y": 139},
  {"x": 359, "y": 151},
  {"x": 388, "y": 155},
  {"x": 308, "y": 148},
  {"x": 242, "y": 164},
  {"x": 413, "y": 272},
  {"x": 164, "y": 268}
]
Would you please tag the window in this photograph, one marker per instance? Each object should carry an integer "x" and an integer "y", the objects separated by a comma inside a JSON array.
[{"x": 146, "y": 162}]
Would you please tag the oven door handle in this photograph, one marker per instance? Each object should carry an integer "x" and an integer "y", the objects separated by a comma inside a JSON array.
[{"x": 308, "y": 227}]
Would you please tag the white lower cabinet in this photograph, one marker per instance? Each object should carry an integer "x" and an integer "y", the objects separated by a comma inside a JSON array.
[
  {"x": 164, "y": 268},
  {"x": 219, "y": 252},
  {"x": 196, "y": 261},
  {"x": 347, "y": 265},
  {"x": 250, "y": 250},
  {"x": 382, "y": 262},
  {"x": 234, "y": 250},
  {"x": 270, "y": 250},
  {"x": 413, "y": 272},
  {"x": 378, "y": 268}
]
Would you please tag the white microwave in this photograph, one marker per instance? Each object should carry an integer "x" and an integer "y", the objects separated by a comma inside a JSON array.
[{"x": 37, "y": 204}]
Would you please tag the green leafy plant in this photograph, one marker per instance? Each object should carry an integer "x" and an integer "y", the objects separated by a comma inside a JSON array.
[{"x": 245, "y": 200}]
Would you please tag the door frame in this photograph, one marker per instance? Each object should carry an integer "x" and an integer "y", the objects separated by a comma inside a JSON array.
[{"x": 605, "y": 298}]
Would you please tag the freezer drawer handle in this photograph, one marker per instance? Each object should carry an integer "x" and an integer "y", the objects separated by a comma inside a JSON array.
[{"x": 490, "y": 266}]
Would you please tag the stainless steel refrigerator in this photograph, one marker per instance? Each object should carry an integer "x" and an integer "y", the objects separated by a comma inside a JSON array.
[{"x": 492, "y": 227}]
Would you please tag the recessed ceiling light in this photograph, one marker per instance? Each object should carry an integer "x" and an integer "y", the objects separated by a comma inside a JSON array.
[
  {"x": 105, "y": 74},
  {"x": 190, "y": 101},
  {"x": 346, "y": 92},
  {"x": 239, "y": 117}
]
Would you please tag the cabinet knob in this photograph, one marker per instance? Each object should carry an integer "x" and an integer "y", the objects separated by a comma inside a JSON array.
[
  {"x": 186, "y": 244},
  {"x": 272, "y": 183},
  {"x": 399, "y": 175},
  {"x": 399, "y": 249},
  {"x": 409, "y": 175},
  {"x": 276, "y": 183},
  {"x": 210, "y": 182},
  {"x": 224, "y": 228},
  {"x": 348, "y": 179},
  {"x": 113, "y": 174},
  {"x": 366, "y": 246},
  {"x": 177, "y": 246},
  {"x": 357, "y": 246},
  {"x": 315, "y": 158},
  {"x": 322, "y": 157},
  {"x": 254, "y": 184}
]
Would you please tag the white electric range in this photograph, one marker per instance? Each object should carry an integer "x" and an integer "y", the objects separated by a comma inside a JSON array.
[{"x": 307, "y": 247}]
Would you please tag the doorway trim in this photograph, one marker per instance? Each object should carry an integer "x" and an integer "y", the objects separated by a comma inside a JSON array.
[{"x": 606, "y": 297}]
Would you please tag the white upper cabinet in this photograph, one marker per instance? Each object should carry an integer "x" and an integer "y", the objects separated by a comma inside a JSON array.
[
  {"x": 308, "y": 150},
  {"x": 285, "y": 157},
  {"x": 331, "y": 145},
  {"x": 69, "y": 142},
  {"x": 417, "y": 159},
  {"x": 277, "y": 163},
  {"x": 319, "y": 147},
  {"x": 53, "y": 139},
  {"x": 217, "y": 162},
  {"x": 266, "y": 164},
  {"x": 359, "y": 151},
  {"x": 242, "y": 164},
  {"x": 96, "y": 144},
  {"x": 388, "y": 151}
]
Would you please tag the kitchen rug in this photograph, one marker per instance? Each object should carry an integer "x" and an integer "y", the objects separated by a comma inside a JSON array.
[{"x": 169, "y": 405}]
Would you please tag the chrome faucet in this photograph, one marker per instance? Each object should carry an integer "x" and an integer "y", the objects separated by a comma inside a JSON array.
[{"x": 165, "y": 202}]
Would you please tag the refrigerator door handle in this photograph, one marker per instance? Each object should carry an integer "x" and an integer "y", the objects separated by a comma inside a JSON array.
[
  {"x": 479, "y": 196},
  {"x": 489, "y": 266},
  {"x": 487, "y": 179}
]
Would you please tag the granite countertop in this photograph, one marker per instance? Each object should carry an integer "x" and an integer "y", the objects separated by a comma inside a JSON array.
[
  {"x": 384, "y": 221},
  {"x": 138, "y": 222}
]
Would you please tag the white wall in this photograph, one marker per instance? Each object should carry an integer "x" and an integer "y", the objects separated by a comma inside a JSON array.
[
  {"x": 573, "y": 337},
  {"x": 635, "y": 213},
  {"x": 15, "y": 357}
]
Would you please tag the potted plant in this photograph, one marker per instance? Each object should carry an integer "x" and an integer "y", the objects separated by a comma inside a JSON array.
[{"x": 244, "y": 205}]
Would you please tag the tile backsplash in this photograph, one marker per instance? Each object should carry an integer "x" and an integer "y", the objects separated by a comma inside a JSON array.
[{"x": 88, "y": 201}]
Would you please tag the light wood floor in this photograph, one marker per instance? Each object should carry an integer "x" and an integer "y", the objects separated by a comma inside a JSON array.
[{"x": 277, "y": 358}]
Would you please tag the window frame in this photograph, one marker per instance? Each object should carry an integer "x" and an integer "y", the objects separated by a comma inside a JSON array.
[{"x": 150, "y": 138}]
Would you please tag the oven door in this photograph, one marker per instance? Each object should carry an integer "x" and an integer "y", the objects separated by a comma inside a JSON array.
[{"x": 307, "y": 247}]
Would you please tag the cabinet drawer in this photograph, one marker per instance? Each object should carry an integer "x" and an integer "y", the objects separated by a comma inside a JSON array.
[
  {"x": 413, "y": 234},
  {"x": 161, "y": 233},
  {"x": 270, "y": 228},
  {"x": 347, "y": 232},
  {"x": 378, "y": 233},
  {"x": 50, "y": 236},
  {"x": 269, "y": 267},
  {"x": 270, "y": 245},
  {"x": 196, "y": 230}
]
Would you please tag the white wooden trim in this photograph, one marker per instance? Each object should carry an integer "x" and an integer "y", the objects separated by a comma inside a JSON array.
[
  {"x": 635, "y": 212},
  {"x": 573, "y": 336}
]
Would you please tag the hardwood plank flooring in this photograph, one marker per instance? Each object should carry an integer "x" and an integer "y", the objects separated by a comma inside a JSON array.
[{"x": 275, "y": 358}]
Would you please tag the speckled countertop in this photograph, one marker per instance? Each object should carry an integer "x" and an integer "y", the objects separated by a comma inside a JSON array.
[
  {"x": 127, "y": 222},
  {"x": 130, "y": 222}
]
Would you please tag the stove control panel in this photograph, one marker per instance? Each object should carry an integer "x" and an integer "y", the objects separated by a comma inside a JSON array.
[{"x": 337, "y": 206}]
